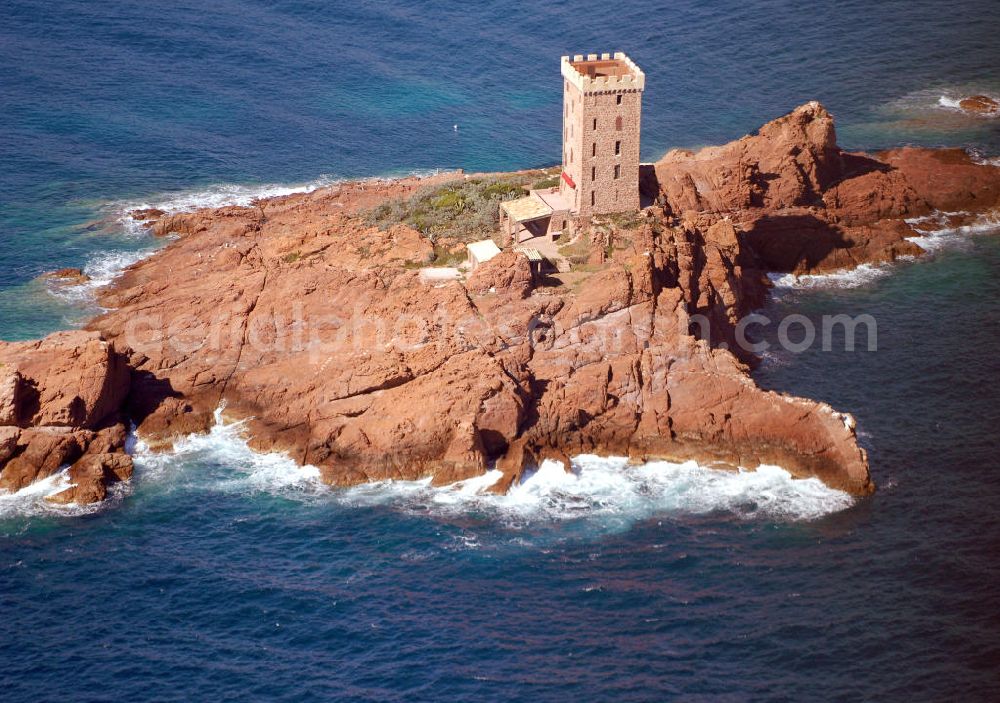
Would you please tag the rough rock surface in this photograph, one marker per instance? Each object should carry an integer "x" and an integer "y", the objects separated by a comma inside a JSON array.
[
  {"x": 507, "y": 271},
  {"x": 980, "y": 104},
  {"x": 803, "y": 205},
  {"x": 60, "y": 404},
  {"x": 68, "y": 276}
]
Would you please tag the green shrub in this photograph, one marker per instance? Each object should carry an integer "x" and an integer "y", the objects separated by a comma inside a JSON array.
[
  {"x": 465, "y": 210},
  {"x": 551, "y": 182}
]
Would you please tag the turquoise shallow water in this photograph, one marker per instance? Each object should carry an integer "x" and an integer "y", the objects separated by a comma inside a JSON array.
[{"x": 223, "y": 574}]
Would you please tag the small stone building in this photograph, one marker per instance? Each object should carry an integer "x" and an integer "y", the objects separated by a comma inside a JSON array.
[
  {"x": 541, "y": 213},
  {"x": 481, "y": 252}
]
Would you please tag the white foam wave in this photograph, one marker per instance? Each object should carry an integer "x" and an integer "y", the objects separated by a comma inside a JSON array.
[
  {"x": 105, "y": 267},
  {"x": 605, "y": 491},
  {"x": 220, "y": 195},
  {"x": 241, "y": 469},
  {"x": 934, "y": 234},
  {"x": 596, "y": 489},
  {"x": 953, "y": 104},
  {"x": 224, "y": 194},
  {"x": 30, "y": 500},
  {"x": 846, "y": 278},
  {"x": 102, "y": 269},
  {"x": 609, "y": 490}
]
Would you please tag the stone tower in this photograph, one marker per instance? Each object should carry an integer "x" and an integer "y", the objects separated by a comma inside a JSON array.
[{"x": 602, "y": 108}]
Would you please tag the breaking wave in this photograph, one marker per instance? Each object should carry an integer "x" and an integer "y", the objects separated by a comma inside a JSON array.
[
  {"x": 218, "y": 195},
  {"x": 610, "y": 491},
  {"x": 847, "y": 278},
  {"x": 942, "y": 101},
  {"x": 102, "y": 269},
  {"x": 600, "y": 490},
  {"x": 935, "y": 234},
  {"x": 31, "y": 501},
  {"x": 605, "y": 492},
  {"x": 105, "y": 266},
  {"x": 232, "y": 465},
  {"x": 951, "y": 102},
  {"x": 223, "y": 194}
]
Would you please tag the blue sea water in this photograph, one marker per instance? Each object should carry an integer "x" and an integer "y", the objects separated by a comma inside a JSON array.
[{"x": 222, "y": 574}]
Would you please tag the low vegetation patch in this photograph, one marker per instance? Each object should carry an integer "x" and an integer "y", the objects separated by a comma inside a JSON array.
[
  {"x": 464, "y": 210},
  {"x": 550, "y": 182}
]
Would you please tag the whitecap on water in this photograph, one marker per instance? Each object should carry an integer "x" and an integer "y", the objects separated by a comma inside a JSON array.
[
  {"x": 846, "y": 278},
  {"x": 104, "y": 267},
  {"x": 934, "y": 234},
  {"x": 237, "y": 468},
  {"x": 30, "y": 500},
  {"x": 949, "y": 102},
  {"x": 608, "y": 489},
  {"x": 596, "y": 488},
  {"x": 218, "y": 195},
  {"x": 952, "y": 101},
  {"x": 223, "y": 194}
]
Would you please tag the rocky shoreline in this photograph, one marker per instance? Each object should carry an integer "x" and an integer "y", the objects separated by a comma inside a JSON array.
[{"x": 302, "y": 317}]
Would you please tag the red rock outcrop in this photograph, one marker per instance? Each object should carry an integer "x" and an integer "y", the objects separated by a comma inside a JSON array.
[
  {"x": 508, "y": 271},
  {"x": 342, "y": 356},
  {"x": 979, "y": 104},
  {"x": 60, "y": 404},
  {"x": 68, "y": 276},
  {"x": 803, "y": 205}
]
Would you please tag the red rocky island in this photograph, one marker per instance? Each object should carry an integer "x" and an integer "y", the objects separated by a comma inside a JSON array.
[{"x": 309, "y": 317}]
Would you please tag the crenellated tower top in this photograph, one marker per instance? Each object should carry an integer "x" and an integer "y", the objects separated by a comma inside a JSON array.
[{"x": 602, "y": 73}]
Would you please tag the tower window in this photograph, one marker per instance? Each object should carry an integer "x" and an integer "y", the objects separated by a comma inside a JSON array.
[
  {"x": 618, "y": 170},
  {"x": 593, "y": 173},
  {"x": 618, "y": 100},
  {"x": 593, "y": 149},
  {"x": 618, "y": 124},
  {"x": 595, "y": 123},
  {"x": 618, "y": 148},
  {"x": 593, "y": 198}
]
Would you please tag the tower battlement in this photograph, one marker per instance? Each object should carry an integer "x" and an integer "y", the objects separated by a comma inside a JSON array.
[{"x": 602, "y": 73}]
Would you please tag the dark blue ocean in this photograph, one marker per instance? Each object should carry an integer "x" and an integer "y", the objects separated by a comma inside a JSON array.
[{"x": 219, "y": 574}]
